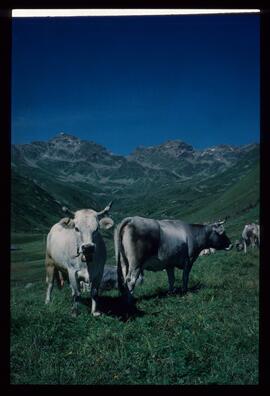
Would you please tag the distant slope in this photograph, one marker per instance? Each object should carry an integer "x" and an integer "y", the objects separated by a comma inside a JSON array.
[
  {"x": 32, "y": 208},
  {"x": 189, "y": 200},
  {"x": 238, "y": 199},
  {"x": 240, "y": 204}
]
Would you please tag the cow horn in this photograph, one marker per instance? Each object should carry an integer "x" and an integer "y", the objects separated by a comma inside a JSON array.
[
  {"x": 221, "y": 222},
  {"x": 68, "y": 211},
  {"x": 108, "y": 207}
]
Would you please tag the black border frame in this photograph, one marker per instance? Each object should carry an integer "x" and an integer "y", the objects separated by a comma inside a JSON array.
[{"x": 5, "y": 145}]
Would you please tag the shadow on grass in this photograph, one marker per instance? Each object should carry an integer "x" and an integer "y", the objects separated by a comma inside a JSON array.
[
  {"x": 119, "y": 308},
  {"x": 116, "y": 307},
  {"x": 177, "y": 292}
]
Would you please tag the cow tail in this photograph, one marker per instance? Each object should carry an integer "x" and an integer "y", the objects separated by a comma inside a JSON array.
[{"x": 119, "y": 253}]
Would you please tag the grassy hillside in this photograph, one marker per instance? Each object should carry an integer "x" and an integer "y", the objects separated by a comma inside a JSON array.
[
  {"x": 32, "y": 208},
  {"x": 38, "y": 208},
  {"x": 237, "y": 200}
]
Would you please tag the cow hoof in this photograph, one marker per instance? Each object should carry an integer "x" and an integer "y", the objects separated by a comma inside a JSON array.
[
  {"x": 172, "y": 292},
  {"x": 96, "y": 313}
]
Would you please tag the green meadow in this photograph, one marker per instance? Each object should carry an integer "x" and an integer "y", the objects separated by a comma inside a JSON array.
[{"x": 208, "y": 336}]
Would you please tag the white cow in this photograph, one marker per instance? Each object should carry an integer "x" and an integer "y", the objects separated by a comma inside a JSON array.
[
  {"x": 251, "y": 235},
  {"x": 76, "y": 249}
]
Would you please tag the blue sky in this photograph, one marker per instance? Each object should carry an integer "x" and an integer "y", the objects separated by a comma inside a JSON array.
[{"x": 129, "y": 81}]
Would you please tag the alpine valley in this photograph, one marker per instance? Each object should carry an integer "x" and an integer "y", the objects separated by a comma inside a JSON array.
[{"x": 170, "y": 180}]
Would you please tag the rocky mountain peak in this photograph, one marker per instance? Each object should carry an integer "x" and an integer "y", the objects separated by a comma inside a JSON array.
[
  {"x": 225, "y": 147},
  {"x": 176, "y": 147},
  {"x": 62, "y": 147},
  {"x": 177, "y": 144},
  {"x": 173, "y": 148},
  {"x": 64, "y": 135}
]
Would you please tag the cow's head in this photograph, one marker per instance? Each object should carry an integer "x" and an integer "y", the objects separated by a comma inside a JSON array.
[
  {"x": 218, "y": 238},
  {"x": 86, "y": 224}
]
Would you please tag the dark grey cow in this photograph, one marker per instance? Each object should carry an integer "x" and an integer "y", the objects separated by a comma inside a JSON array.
[
  {"x": 109, "y": 280},
  {"x": 142, "y": 243}
]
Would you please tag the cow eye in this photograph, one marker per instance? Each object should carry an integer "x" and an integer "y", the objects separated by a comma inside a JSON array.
[{"x": 77, "y": 229}]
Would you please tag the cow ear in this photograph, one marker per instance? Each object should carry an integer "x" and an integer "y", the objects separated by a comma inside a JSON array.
[
  {"x": 66, "y": 222},
  {"x": 68, "y": 211},
  {"x": 219, "y": 228},
  {"x": 106, "y": 223}
]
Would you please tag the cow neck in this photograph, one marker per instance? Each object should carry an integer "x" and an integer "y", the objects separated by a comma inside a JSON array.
[{"x": 201, "y": 234}]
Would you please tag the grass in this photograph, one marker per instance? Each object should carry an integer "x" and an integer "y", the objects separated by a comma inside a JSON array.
[{"x": 209, "y": 336}]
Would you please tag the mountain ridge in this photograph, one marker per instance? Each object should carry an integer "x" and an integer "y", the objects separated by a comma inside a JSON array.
[
  {"x": 71, "y": 149},
  {"x": 68, "y": 138}
]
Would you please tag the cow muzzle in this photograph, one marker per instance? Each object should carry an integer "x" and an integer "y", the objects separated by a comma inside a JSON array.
[{"x": 88, "y": 251}]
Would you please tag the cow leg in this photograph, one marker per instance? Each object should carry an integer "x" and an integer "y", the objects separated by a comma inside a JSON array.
[
  {"x": 61, "y": 278},
  {"x": 49, "y": 278},
  {"x": 245, "y": 246},
  {"x": 171, "y": 278},
  {"x": 121, "y": 275},
  {"x": 186, "y": 271},
  {"x": 75, "y": 291},
  {"x": 58, "y": 276},
  {"x": 94, "y": 294}
]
